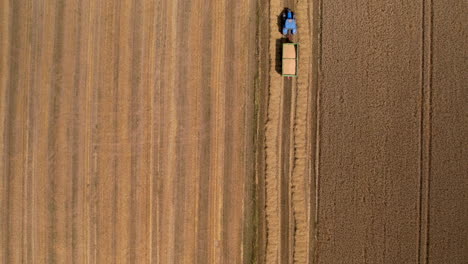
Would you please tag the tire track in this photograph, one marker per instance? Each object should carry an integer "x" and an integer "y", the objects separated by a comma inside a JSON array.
[
  {"x": 192, "y": 116},
  {"x": 150, "y": 81},
  {"x": 4, "y": 106},
  {"x": 159, "y": 121},
  {"x": 137, "y": 119},
  {"x": 157, "y": 109},
  {"x": 425, "y": 131},
  {"x": 115, "y": 125},
  {"x": 218, "y": 128},
  {"x": 9, "y": 124},
  {"x": 90, "y": 125},
  {"x": 48, "y": 80},
  {"x": 76, "y": 136},
  {"x": 183, "y": 140},
  {"x": 31, "y": 208},
  {"x": 66, "y": 194},
  {"x": 262, "y": 115},
  {"x": 95, "y": 81},
  {"x": 103, "y": 183},
  {"x": 205, "y": 144},
  {"x": 229, "y": 101},
  {"x": 169, "y": 140}
]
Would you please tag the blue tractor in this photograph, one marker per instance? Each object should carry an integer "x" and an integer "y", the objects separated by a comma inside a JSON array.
[{"x": 289, "y": 26}]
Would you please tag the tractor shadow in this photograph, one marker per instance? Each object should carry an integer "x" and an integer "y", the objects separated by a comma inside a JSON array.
[
  {"x": 279, "y": 54},
  {"x": 280, "y": 20}
]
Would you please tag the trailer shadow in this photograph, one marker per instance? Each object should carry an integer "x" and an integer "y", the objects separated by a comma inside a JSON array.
[
  {"x": 279, "y": 54},
  {"x": 280, "y": 23}
]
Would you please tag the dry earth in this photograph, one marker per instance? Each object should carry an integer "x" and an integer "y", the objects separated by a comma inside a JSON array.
[{"x": 392, "y": 183}]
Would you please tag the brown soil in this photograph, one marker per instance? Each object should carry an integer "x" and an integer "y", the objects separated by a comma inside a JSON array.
[{"x": 392, "y": 132}]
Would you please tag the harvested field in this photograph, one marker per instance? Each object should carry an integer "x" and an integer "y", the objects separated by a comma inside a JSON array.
[
  {"x": 162, "y": 131},
  {"x": 126, "y": 131}
]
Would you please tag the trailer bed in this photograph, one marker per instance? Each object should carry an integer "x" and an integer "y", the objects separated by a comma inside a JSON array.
[{"x": 289, "y": 59}]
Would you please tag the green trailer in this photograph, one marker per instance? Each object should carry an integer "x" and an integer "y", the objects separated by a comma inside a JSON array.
[{"x": 290, "y": 57}]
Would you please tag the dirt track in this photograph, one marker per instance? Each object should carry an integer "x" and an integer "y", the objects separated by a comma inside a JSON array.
[
  {"x": 287, "y": 143},
  {"x": 126, "y": 131}
]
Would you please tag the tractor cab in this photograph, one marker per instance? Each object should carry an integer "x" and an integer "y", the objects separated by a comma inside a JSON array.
[{"x": 289, "y": 26}]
